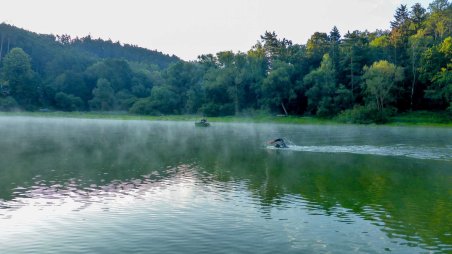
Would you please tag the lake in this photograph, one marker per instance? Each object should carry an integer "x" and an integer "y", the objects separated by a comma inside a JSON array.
[{"x": 110, "y": 186}]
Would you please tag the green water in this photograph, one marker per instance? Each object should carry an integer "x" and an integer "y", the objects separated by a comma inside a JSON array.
[{"x": 105, "y": 186}]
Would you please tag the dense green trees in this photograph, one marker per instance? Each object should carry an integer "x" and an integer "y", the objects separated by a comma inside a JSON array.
[
  {"x": 362, "y": 76},
  {"x": 440, "y": 89},
  {"x": 20, "y": 80},
  {"x": 325, "y": 96},
  {"x": 104, "y": 96},
  {"x": 380, "y": 83}
]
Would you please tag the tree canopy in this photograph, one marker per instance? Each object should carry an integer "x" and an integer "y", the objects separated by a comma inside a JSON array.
[{"x": 407, "y": 67}]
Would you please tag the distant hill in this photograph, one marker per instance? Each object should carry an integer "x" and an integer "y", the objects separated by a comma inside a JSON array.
[
  {"x": 109, "y": 49},
  {"x": 359, "y": 77},
  {"x": 42, "y": 48}
]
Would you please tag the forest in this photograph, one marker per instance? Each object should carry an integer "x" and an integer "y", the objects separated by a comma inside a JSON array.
[{"x": 356, "y": 76}]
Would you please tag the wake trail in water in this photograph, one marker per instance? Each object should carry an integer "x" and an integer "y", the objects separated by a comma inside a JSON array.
[{"x": 426, "y": 153}]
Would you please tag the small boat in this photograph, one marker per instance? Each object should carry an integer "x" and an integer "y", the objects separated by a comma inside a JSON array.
[{"x": 202, "y": 123}]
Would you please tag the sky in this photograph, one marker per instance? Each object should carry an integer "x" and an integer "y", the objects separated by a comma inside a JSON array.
[{"x": 189, "y": 28}]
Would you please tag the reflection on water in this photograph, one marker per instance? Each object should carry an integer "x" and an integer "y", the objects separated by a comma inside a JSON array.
[{"x": 111, "y": 186}]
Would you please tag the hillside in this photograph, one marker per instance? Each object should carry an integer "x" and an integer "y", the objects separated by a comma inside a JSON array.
[
  {"x": 43, "y": 48},
  {"x": 358, "y": 76}
]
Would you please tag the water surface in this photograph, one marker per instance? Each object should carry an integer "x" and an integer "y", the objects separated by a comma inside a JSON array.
[{"x": 107, "y": 186}]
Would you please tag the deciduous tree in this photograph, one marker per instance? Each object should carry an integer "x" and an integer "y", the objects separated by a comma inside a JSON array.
[
  {"x": 380, "y": 81},
  {"x": 104, "y": 96},
  {"x": 20, "y": 78}
]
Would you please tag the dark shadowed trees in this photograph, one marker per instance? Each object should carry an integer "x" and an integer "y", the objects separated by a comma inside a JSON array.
[
  {"x": 19, "y": 78},
  {"x": 104, "y": 96}
]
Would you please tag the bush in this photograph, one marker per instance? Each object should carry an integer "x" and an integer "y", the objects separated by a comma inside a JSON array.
[
  {"x": 143, "y": 107},
  {"x": 250, "y": 112},
  {"x": 8, "y": 103},
  {"x": 365, "y": 115},
  {"x": 68, "y": 102},
  {"x": 212, "y": 109}
]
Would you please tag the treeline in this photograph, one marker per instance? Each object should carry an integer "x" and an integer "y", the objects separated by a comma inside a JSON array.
[
  {"x": 361, "y": 76},
  {"x": 47, "y": 72}
]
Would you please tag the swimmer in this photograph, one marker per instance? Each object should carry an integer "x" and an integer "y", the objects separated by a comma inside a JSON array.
[{"x": 278, "y": 143}]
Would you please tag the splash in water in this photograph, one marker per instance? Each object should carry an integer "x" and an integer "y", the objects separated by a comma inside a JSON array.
[{"x": 427, "y": 153}]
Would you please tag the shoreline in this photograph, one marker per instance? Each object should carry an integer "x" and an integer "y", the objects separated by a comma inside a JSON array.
[{"x": 420, "y": 119}]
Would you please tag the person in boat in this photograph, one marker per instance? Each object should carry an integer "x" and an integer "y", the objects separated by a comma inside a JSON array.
[
  {"x": 278, "y": 143},
  {"x": 203, "y": 122}
]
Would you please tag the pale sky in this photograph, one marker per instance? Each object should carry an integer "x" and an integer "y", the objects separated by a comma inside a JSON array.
[{"x": 188, "y": 28}]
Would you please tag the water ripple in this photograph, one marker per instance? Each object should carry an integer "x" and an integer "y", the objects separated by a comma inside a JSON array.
[
  {"x": 417, "y": 152},
  {"x": 184, "y": 212}
]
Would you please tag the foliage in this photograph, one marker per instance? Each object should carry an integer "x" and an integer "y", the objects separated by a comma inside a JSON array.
[
  {"x": 142, "y": 107},
  {"x": 277, "y": 87},
  {"x": 8, "y": 104},
  {"x": 410, "y": 69},
  {"x": 164, "y": 100},
  {"x": 68, "y": 102},
  {"x": 380, "y": 84},
  {"x": 325, "y": 96},
  {"x": 104, "y": 98},
  {"x": 19, "y": 77},
  {"x": 365, "y": 115},
  {"x": 439, "y": 73},
  {"x": 441, "y": 88}
]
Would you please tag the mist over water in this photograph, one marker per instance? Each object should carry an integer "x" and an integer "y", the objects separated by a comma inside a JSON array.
[{"x": 72, "y": 185}]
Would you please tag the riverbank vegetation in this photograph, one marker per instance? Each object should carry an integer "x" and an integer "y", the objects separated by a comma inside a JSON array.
[
  {"x": 354, "y": 77},
  {"x": 418, "y": 118}
]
